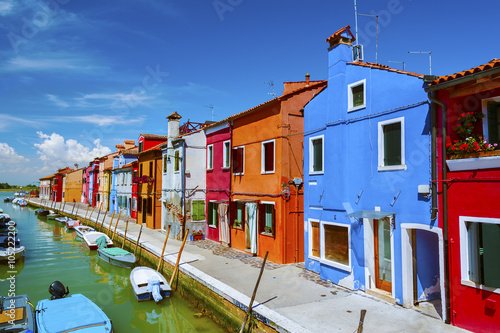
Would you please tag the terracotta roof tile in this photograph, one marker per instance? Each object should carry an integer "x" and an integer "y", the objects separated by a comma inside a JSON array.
[
  {"x": 491, "y": 64},
  {"x": 338, "y": 34},
  {"x": 154, "y": 136},
  {"x": 384, "y": 67}
]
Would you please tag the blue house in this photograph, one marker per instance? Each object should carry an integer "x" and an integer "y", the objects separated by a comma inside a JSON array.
[
  {"x": 121, "y": 183},
  {"x": 367, "y": 204}
]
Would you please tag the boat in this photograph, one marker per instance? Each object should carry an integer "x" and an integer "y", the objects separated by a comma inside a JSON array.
[
  {"x": 91, "y": 239},
  {"x": 8, "y": 199},
  {"x": 70, "y": 314},
  {"x": 16, "y": 314},
  {"x": 52, "y": 215},
  {"x": 4, "y": 224},
  {"x": 4, "y": 217},
  {"x": 62, "y": 219},
  {"x": 149, "y": 284},
  {"x": 10, "y": 248},
  {"x": 70, "y": 224},
  {"x": 15, "y": 200},
  {"x": 42, "y": 212},
  {"x": 22, "y": 203},
  {"x": 114, "y": 255},
  {"x": 1, "y": 210},
  {"x": 82, "y": 230}
]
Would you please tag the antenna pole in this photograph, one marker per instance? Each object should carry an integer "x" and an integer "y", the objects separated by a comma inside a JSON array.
[
  {"x": 430, "y": 64},
  {"x": 212, "y": 108},
  {"x": 399, "y": 62},
  {"x": 356, "y": 20},
  {"x": 376, "y": 34},
  {"x": 271, "y": 83}
]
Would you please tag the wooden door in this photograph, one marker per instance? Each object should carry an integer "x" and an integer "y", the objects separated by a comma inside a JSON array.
[{"x": 383, "y": 255}]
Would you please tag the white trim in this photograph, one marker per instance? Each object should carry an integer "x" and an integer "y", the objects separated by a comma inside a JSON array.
[
  {"x": 311, "y": 153},
  {"x": 350, "y": 107},
  {"x": 216, "y": 128},
  {"x": 210, "y": 157},
  {"x": 322, "y": 259},
  {"x": 243, "y": 172},
  {"x": 268, "y": 203},
  {"x": 309, "y": 250},
  {"x": 464, "y": 251},
  {"x": 224, "y": 157},
  {"x": 263, "y": 157},
  {"x": 407, "y": 264},
  {"x": 381, "y": 124},
  {"x": 484, "y": 109}
]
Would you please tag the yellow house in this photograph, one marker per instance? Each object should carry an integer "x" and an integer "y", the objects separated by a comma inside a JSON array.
[{"x": 73, "y": 186}]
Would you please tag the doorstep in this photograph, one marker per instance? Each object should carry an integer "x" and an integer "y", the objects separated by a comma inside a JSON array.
[{"x": 381, "y": 294}]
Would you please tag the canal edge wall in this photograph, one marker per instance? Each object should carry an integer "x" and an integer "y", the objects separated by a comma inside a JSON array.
[{"x": 212, "y": 296}]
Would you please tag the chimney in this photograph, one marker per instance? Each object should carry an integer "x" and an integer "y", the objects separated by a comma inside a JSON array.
[
  {"x": 173, "y": 125},
  {"x": 119, "y": 148},
  {"x": 307, "y": 79},
  {"x": 129, "y": 144},
  {"x": 339, "y": 50}
]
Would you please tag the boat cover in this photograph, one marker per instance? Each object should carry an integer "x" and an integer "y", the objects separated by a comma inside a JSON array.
[
  {"x": 101, "y": 242},
  {"x": 114, "y": 251},
  {"x": 154, "y": 288}
]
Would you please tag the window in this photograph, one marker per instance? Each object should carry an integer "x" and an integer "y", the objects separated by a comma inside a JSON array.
[
  {"x": 356, "y": 93},
  {"x": 335, "y": 245},
  {"x": 212, "y": 215},
  {"x": 391, "y": 147},
  {"x": 150, "y": 169},
  {"x": 176, "y": 162},
  {"x": 139, "y": 204},
  {"x": 267, "y": 157},
  {"x": 134, "y": 203},
  {"x": 491, "y": 123},
  {"x": 314, "y": 237},
  {"x": 239, "y": 222},
  {"x": 480, "y": 249},
  {"x": 140, "y": 170},
  {"x": 316, "y": 153},
  {"x": 165, "y": 163},
  {"x": 210, "y": 157},
  {"x": 140, "y": 146},
  {"x": 266, "y": 218},
  {"x": 226, "y": 154},
  {"x": 198, "y": 210},
  {"x": 238, "y": 160}
]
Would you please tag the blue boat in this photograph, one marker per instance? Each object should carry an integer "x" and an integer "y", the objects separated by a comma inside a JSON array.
[
  {"x": 115, "y": 255},
  {"x": 16, "y": 314},
  {"x": 149, "y": 284},
  {"x": 75, "y": 313}
]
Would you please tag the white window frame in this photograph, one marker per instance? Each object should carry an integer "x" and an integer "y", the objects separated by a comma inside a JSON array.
[
  {"x": 381, "y": 124},
  {"x": 484, "y": 109},
  {"x": 350, "y": 107},
  {"x": 243, "y": 172},
  {"x": 309, "y": 250},
  {"x": 311, "y": 157},
  {"x": 464, "y": 251},
  {"x": 226, "y": 162},
  {"x": 322, "y": 246},
  {"x": 210, "y": 157},
  {"x": 263, "y": 156}
]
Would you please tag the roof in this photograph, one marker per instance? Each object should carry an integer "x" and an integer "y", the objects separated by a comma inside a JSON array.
[
  {"x": 157, "y": 147},
  {"x": 312, "y": 84},
  {"x": 338, "y": 34},
  {"x": 154, "y": 136},
  {"x": 384, "y": 67},
  {"x": 133, "y": 151},
  {"x": 48, "y": 177},
  {"x": 446, "y": 78}
]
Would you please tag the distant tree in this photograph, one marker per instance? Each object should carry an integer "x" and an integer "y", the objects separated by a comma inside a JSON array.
[{"x": 4, "y": 186}]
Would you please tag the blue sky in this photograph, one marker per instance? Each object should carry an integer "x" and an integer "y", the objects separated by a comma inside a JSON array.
[{"x": 79, "y": 77}]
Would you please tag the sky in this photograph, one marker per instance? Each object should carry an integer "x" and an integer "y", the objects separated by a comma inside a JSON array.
[{"x": 79, "y": 77}]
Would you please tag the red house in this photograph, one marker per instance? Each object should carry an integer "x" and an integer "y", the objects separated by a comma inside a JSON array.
[
  {"x": 467, "y": 110},
  {"x": 56, "y": 192},
  {"x": 218, "y": 175}
]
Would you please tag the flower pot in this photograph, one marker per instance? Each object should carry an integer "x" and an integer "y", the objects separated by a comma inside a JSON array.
[
  {"x": 475, "y": 155},
  {"x": 197, "y": 237}
]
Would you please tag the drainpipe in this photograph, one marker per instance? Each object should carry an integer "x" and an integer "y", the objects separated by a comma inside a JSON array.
[
  {"x": 444, "y": 171},
  {"x": 183, "y": 186}
]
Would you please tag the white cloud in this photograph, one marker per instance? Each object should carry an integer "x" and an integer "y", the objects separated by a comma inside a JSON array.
[
  {"x": 6, "y": 7},
  {"x": 9, "y": 156},
  {"x": 57, "y": 101},
  {"x": 8, "y": 122},
  {"x": 51, "y": 62},
  {"x": 56, "y": 152}
]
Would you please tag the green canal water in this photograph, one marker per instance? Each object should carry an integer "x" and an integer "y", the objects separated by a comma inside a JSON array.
[{"x": 55, "y": 253}]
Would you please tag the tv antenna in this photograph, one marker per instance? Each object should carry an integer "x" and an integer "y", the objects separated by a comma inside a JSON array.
[
  {"x": 399, "y": 62},
  {"x": 430, "y": 66},
  {"x": 271, "y": 84},
  {"x": 212, "y": 108},
  {"x": 376, "y": 34}
]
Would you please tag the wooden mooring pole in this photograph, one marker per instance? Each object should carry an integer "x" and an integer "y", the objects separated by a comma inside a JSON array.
[
  {"x": 116, "y": 226},
  {"x": 178, "y": 258},
  {"x": 125, "y": 234},
  {"x": 249, "y": 311},
  {"x": 138, "y": 237},
  {"x": 361, "y": 321},
  {"x": 163, "y": 251}
]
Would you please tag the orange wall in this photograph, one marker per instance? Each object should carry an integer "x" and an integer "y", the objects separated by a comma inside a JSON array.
[
  {"x": 153, "y": 190},
  {"x": 73, "y": 186}
]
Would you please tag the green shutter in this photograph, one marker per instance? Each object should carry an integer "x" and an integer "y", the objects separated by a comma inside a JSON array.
[
  {"x": 392, "y": 144},
  {"x": 210, "y": 216},
  {"x": 491, "y": 254},
  {"x": 198, "y": 213},
  {"x": 493, "y": 135}
]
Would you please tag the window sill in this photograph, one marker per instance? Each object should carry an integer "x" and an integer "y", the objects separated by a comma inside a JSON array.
[
  {"x": 356, "y": 108},
  {"x": 392, "y": 168},
  {"x": 236, "y": 227},
  {"x": 266, "y": 172},
  {"x": 472, "y": 284},
  {"x": 212, "y": 226},
  {"x": 225, "y": 168},
  {"x": 485, "y": 160},
  {"x": 316, "y": 173},
  {"x": 342, "y": 267},
  {"x": 267, "y": 234},
  {"x": 238, "y": 173}
]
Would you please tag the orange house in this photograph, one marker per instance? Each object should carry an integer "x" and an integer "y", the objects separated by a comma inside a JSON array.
[
  {"x": 266, "y": 212},
  {"x": 149, "y": 185}
]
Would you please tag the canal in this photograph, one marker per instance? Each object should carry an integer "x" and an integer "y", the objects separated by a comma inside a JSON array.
[{"x": 53, "y": 252}]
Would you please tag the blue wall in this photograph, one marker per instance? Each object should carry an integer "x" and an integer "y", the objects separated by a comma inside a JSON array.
[{"x": 351, "y": 161}]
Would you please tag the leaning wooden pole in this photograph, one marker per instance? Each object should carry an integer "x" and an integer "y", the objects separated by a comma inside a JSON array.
[
  {"x": 138, "y": 237},
  {"x": 249, "y": 311},
  {"x": 99, "y": 214},
  {"x": 163, "y": 251},
  {"x": 90, "y": 216},
  {"x": 125, "y": 234},
  {"x": 64, "y": 206},
  {"x": 110, "y": 222},
  {"x": 116, "y": 226},
  {"x": 74, "y": 203},
  {"x": 178, "y": 258}
]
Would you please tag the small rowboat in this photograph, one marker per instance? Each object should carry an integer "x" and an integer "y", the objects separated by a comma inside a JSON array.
[
  {"x": 16, "y": 314},
  {"x": 82, "y": 230},
  {"x": 91, "y": 239},
  {"x": 70, "y": 314},
  {"x": 10, "y": 248},
  {"x": 72, "y": 223},
  {"x": 115, "y": 255},
  {"x": 149, "y": 284}
]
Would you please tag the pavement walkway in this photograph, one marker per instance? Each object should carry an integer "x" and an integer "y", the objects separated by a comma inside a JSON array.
[{"x": 290, "y": 298}]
